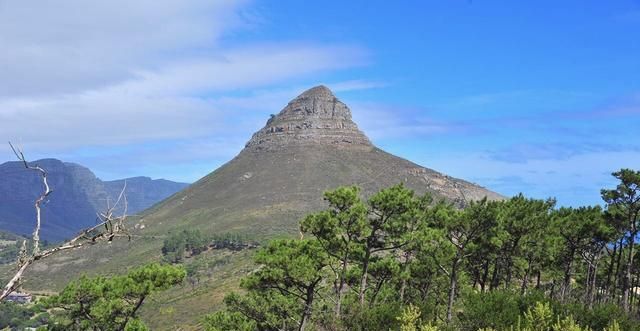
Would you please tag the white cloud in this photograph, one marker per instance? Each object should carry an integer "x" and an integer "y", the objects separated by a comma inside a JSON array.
[
  {"x": 354, "y": 85},
  {"x": 242, "y": 68},
  {"x": 64, "y": 46},
  {"x": 381, "y": 122},
  {"x": 117, "y": 73}
]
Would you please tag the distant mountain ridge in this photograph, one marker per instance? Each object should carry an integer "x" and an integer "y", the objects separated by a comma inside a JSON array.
[{"x": 77, "y": 195}]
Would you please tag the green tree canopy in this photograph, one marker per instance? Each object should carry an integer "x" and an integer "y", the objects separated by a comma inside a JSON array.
[{"x": 110, "y": 304}]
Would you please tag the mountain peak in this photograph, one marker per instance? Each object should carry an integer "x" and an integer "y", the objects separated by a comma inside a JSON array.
[
  {"x": 316, "y": 92},
  {"x": 316, "y": 116}
]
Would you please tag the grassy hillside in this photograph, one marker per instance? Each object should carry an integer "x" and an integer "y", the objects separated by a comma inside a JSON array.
[{"x": 263, "y": 195}]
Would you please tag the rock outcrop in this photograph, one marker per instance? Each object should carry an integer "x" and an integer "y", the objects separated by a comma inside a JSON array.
[{"x": 316, "y": 117}]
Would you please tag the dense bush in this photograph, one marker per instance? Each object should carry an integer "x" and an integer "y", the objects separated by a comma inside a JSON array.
[
  {"x": 110, "y": 304},
  {"x": 15, "y": 316},
  {"x": 177, "y": 245},
  {"x": 496, "y": 309},
  {"x": 191, "y": 242},
  {"x": 599, "y": 316}
]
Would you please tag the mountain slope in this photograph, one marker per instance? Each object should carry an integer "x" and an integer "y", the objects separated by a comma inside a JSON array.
[
  {"x": 77, "y": 195},
  {"x": 311, "y": 146}
]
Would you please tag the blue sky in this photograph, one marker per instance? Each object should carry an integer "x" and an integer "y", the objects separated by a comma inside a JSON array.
[{"x": 540, "y": 97}]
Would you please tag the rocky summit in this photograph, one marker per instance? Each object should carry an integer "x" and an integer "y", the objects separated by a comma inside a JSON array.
[{"x": 316, "y": 117}]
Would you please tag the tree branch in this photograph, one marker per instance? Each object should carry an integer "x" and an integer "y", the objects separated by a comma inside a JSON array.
[{"x": 113, "y": 227}]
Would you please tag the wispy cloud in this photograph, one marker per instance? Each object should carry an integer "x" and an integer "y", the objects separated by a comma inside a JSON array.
[
  {"x": 72, "y": 45},
  {"x": 354, "y": 85},
  {"x": 523, "y": 152},
  {"x": 91, "y": 74},
  {"x": 380, "y": 121}
]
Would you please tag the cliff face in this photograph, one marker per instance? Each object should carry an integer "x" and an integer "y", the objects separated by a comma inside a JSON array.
[
  {"x": 77, "y": 195},
  {"x": 316, "y": 117}
]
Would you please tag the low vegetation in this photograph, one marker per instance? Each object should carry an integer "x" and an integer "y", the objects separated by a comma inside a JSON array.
[
  {"x": 191, "y": 242},
  {"x": 15, "y": 316}
]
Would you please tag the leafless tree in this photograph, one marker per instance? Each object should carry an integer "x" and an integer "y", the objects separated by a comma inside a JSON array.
[{"x": 107, "y": 228}]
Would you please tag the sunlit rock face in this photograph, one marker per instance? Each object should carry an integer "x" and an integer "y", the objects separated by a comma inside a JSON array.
[{"x": 315, "y": 117}]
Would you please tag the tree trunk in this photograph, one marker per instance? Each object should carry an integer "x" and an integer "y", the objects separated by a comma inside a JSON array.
[
  {"x": 507, "y": 280},
  {"x": 494, "y": 277},
  {"x": 587, "y": 283},
  {"x": 306, "y": 312},
  {"x": 616, "y": 276},
  {"x": 631, "y": 292},
  {"x": 341, "y": 286},
  {"x": 627, "y": 275},
  {"x": 525, "y": 279},
  {"x": 510, "y": 263},
  {"x": 453, "y": 278},
  {"x": 610, "y": 268},
  {"x": 566, "y": 283},
  {"x": 593, "y": 286},
  {"x": 363, "y": 278},
  {"x": 403, "y": 284},
  {"x": 485, "y": 275}
]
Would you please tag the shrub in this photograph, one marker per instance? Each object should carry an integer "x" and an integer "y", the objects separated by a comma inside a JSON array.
[{"x": 496, "y": 309}]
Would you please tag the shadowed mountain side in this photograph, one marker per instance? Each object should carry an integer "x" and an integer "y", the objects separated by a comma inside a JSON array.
[
  {"x": 77, "y": 195},
  {"x": 143, "y": 192}
]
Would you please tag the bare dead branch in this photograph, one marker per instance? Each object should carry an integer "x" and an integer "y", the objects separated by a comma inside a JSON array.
[
  {"x": 38, "y": 203},
  {"x": 108, "y": 228}
]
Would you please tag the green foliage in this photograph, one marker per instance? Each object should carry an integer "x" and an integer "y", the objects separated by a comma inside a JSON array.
[
  {"x": 623, "y": 204},
  {"x": 135, "y": 325},
  {"x": 410, "y": 320},
  {"x": 225, "y": 320},
  {"x": 17, "y": 316},
  {"x": 191, "y": 242},
  {"x": 501, "y": 309},
  {"x": 187, "y": 241},
  {"x": 599, "y": 316},
  {"x": 232, "y": 241},
  {"x": 382, "y": 316},
  {"x": 282, "y": 291},
  {"x": 399, "y": 261},
  {"x": 102, "y": 303},
  {"x": 614, "y": 326},
  {"x": 495, "y": 309},
  {"x": 539, "y": 317}
]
